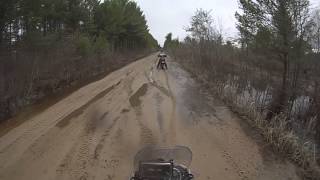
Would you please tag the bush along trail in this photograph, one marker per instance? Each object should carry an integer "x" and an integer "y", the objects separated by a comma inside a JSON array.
[{"x": 271, "y": 79}]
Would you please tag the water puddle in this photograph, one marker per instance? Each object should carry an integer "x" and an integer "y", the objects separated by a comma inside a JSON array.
[{"x": 135, "y": 98}]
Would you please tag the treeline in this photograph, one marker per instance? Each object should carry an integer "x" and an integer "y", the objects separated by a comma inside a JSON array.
[
  {"x": 47, "y": 45},
  {"x": 270, "y": 74},
  {"x": 120, "y": 23}
]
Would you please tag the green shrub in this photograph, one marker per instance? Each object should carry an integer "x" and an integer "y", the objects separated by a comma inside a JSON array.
[
  {"x": 83, "y": 46},
  {"x": 101, "y": 46}
]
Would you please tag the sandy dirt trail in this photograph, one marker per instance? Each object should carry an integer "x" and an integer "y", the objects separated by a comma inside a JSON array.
[{"x": 95, "y": 132}]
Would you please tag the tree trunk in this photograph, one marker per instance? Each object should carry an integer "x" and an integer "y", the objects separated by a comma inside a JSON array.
[
  {"x": 1, "y": 34},
  {"x": 318, "y": 41},
  {"x": 44, "y": 27},
  {"x": 280, "y": 98},
  {"x": 317, "y": 129}
]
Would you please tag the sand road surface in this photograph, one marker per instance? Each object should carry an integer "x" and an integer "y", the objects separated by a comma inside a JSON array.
[{"x": 94, "y": 133}]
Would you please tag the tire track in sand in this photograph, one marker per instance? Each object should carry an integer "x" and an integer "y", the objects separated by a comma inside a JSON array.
[
  {"x": 172, "y": 129},
  {"x": 77, "y": 112},
  {"x": 78, "y": 159},
  {"x": 147, "y": 137},
  {"x": 99, "y": 147},
  {"x": 169, "y": 136}
]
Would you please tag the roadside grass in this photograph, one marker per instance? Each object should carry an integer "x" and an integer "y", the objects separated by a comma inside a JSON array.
[{"x": 275, "y": 131}]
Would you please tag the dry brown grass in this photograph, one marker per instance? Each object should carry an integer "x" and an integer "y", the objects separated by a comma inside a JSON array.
[{"x": 235, "y": 88}]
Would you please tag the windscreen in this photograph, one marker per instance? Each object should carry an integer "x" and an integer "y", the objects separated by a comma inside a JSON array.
[{"x": 179, "y": 154}]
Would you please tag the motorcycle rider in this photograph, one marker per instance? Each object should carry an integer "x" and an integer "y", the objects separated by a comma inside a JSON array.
[{"x": 162, "y": 60}]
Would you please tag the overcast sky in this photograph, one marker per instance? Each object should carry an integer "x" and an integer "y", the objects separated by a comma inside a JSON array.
[{"x": 166, "y": 16}]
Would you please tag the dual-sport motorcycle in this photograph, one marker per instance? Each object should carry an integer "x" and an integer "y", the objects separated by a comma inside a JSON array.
[
  {"x": 162, "y": 62},
  {"x": 163, "y": 164}
]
